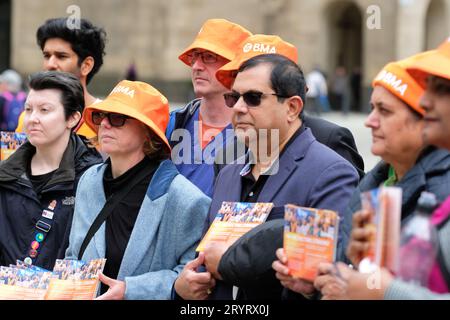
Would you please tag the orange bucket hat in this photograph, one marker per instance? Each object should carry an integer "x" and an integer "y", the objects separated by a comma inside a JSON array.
[
  {"x": 137, "y": 100},
  {"x": 435, "y": 62},
  {"x": 219, "y": 36},
  {"x": 399, "y": 82},
  {"x": 255, "y": 45}
]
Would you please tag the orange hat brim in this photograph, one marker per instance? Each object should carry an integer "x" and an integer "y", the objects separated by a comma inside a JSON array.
[
  {"x": 431, "y": 63},
  {"x": 199, "y": 44},
  {"x": 113, "y": 105},
  {"x": 225, "y": 74}
]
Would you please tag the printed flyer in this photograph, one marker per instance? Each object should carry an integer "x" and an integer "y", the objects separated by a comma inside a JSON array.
[
  {"x": 310, "y": 237},
  {"x": 233, "y": 220},
  {"x": 385, "y": 205},
  {"x": 10, "y": 142},
  {"x": 70, "y": 280}
]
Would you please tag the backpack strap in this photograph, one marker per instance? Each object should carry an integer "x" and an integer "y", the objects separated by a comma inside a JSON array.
[{"x": 106, "y": 211}]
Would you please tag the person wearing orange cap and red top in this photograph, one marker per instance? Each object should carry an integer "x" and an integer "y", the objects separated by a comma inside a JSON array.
[
  {"x": 338, "y": 138},
  {"x": 205, "y": 120},
  {"x": 135, "y": 210},
  {"x": 410, "y": 163}
]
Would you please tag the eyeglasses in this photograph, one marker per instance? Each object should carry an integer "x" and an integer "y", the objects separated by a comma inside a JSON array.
[
  {"x": 207, "y": 57},
  {"x": 114, "y": 119},
  {"x": 251, "y": 98}
]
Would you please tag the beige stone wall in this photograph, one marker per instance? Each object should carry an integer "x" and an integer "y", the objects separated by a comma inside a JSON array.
[{"x": 154, "y": 32}]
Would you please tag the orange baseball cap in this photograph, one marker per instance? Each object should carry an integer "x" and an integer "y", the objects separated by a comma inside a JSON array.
[
  {"x": 137, "y": 100},
  {"x": 399, "y": 82},
  {"x": 435, "y": 62},
  {"x": 219, "y": 36},
  {"x": 255, "y": 45}
]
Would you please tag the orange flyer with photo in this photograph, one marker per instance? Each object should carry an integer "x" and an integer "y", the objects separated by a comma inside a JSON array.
[
  {"x": 384, "y": 203},
  {"x": 310, "y": 237},
  {"x": 10, "y": 142},
  {"x": 233, "y": 220},
  {"x": 72, "y": 289},
  {"x": 69, "y": 280}
]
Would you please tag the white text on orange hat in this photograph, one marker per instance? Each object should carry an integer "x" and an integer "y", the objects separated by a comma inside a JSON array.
[
  {"x": 391, "y": 80},
  {"x": 125, "y": 90},
  {"x": 259, "y": 47}
]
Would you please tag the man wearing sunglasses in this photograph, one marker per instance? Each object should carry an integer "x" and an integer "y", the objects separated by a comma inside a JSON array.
[
  {"x": 204, "y": 121},
  {"x": 267, "y": 96},
  {"x": 338, "y": 138}
]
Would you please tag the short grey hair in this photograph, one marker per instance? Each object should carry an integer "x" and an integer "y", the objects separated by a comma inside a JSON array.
[{"x": 12, "y": 79}]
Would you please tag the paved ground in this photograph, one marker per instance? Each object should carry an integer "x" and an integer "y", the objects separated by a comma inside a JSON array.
[{"x": 355, "y": 123}]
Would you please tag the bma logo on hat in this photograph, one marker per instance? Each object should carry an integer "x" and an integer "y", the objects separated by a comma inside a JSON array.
[
  {"x": 259, "y": 47},
  {"x": 125, "y": 90},
  {"x": 391, "y": 79}
]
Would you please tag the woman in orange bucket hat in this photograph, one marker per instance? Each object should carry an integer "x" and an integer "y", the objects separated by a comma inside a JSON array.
[
  {"x": 135, "y": 209},
  {"x": 431, "y": 70},
  {"x": 397, "y": 121}
]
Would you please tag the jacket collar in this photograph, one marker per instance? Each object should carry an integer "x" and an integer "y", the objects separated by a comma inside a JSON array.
[
  {"x": 287, "y": 164},
  {"x": 75, "y": 158},
  {"x": 187, "y": 112},
  {"x": 431, "y": 162},
  {"x": 148, "y": 219}
]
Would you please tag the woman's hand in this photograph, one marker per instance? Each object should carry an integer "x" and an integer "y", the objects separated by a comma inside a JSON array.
[
  {"x": 116, "y": 289},
  {"x": 340, "y": 282},
  {"x": 359, "y": 239}
]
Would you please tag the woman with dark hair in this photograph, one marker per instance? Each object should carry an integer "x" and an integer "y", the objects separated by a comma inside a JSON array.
[
  {"x": 38, "y": 182},
  {"x": 432, "y": 71},
  {"x": 136, "y": 210}
]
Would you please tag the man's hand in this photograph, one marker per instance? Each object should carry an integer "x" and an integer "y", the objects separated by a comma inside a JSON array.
[
  {"x": 213, "y": 254},
  {"x": 116, "y": 289},
  {"x": 193, "y": 285},
  {"x": 282, "y": 273}
]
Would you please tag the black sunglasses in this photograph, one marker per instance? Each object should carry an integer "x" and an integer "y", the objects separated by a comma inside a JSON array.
[
  {"x": 251, "y": 98},
  {"x": 114, "y": 119}
]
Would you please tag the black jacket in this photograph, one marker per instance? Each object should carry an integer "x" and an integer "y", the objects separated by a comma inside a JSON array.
[
  {"x": 21, "y": 207},
  {"x": 430, "y": 173},
  {"x": 337, "y": 138},
  {"x": 248, "y": 262}
]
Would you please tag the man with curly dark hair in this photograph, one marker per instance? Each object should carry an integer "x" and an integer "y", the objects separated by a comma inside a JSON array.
[{"x": 75, "y": 48}]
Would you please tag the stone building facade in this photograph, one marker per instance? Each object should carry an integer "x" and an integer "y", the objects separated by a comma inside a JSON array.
[{"x": 358, "y": 34}]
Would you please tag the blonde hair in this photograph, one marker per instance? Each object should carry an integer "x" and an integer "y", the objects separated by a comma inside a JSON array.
[{"x": 154, "y": 147}]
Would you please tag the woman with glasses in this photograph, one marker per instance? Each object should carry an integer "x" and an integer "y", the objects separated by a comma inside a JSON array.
[
  {"x": 432, "y": 71},
  {"x": 408, "y": 161},
  {"x": 135, "y": 210},
  {"x": 38, "y": 182}
]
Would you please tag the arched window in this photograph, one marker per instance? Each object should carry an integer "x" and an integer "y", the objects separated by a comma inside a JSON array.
[
  {"x": 345, "y": 22},
  {"x": 436, "y": 24}
]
